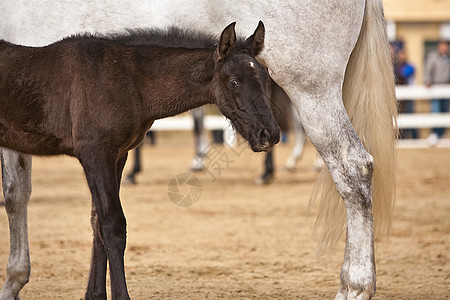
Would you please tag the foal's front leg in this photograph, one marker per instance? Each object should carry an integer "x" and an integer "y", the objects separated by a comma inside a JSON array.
[
  {"x": 16, "y": 173},
  {"x": 103, "y": 173},
  {"x": 97, "y": 275}
]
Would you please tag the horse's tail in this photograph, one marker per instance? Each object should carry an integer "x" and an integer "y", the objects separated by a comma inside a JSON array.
[{"x": 369, "y": 98}]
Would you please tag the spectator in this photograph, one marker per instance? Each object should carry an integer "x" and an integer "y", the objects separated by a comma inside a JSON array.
[
  {"x": 437, "y": 71},
  {"x": 404, "y": 72}
]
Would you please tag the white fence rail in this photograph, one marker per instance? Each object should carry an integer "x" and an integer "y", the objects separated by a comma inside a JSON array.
[
  {"x": 417, "y": 92},
  {"x": 423, "y": 120},
  {"x": 181, "y": 123}
]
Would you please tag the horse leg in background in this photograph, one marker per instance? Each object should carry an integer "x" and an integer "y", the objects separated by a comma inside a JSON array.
[
  {"x": 300, "y": 141},
  {"x": 269, "y": 169},
  {"x": 201, "y": 146},
  {"x": 16, "y": 174},
  {"x": 131, "y": 177},
  {"x": 318, "y": 163}
]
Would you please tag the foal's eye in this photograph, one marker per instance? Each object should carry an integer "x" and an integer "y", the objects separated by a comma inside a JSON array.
[{"x": 233, "y": 83}]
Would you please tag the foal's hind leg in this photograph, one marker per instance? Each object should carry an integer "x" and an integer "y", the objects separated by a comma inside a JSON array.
[
  {"x": 329, "y": 129},
  {"x": 16, "y": 173}
]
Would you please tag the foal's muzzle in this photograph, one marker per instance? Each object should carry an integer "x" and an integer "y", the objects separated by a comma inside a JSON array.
[{"x": 263, "y": 139}]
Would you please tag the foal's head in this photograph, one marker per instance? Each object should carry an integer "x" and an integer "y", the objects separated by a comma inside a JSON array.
[{"x": 241, "y": 88}]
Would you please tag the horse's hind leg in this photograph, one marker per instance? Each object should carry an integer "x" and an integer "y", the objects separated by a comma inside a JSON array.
[
  {"x": 329, "y": 129},
  {"x": 16, "y": 173}
]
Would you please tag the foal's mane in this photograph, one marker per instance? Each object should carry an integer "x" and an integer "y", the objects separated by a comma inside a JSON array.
[{"x": 171, "y": 37}]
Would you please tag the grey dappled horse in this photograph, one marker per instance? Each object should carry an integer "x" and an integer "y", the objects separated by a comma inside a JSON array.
[{"x": 332, "y": 59}]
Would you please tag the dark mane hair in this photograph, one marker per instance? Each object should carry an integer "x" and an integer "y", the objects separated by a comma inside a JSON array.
[{"x": 171, "y": 37}]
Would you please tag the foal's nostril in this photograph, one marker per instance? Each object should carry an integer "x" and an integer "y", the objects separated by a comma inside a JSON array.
[{"x": 263, "y": 136}]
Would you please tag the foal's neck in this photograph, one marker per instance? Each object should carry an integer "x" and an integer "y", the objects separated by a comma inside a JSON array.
[{"x": 177, "y": 81}]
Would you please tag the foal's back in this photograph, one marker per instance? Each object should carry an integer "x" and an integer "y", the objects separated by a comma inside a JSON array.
[
  {"x": 43, "y": 91},
  {"x": 82, "y": 85}
]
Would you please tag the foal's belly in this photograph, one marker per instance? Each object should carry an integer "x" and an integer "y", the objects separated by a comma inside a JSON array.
[{"x": 32, "y": 143}]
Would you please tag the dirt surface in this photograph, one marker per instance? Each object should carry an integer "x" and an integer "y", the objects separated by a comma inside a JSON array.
[{"x": 239, "y": 241}]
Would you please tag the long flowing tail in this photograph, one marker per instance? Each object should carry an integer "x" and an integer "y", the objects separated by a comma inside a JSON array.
[{"x": 369, "y": 98}]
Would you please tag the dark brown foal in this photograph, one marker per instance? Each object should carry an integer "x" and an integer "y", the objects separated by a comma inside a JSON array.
[{"x": 95, "y": 97}]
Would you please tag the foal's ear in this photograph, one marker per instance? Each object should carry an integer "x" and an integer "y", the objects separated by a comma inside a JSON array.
[
  {"x": 256, "y": 41},
  {"x": 227, "y": 40}
]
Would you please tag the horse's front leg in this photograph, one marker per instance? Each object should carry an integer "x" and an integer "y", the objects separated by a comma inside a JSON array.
[
  {"x": 16, "y": 173},
  {"x": 103, "y": 172},
  {"x": 329, "y": 129}
]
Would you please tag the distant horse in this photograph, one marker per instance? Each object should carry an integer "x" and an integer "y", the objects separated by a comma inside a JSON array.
[
  {"x": 332, "y": 59},
  {"x": 94, "y": 98}
]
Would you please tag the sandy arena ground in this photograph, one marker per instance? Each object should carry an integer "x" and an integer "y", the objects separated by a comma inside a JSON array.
[{"x": 239, "y": 241}]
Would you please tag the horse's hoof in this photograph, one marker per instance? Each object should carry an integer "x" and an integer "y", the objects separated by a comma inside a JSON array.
[
  {"x": 129, "y": 181},
  {"x": 264, "y": 179},
  {"x": 354, "y": 294},
  {"x": 290, "y": 165},
  {"x": 197, "y": 164}
]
